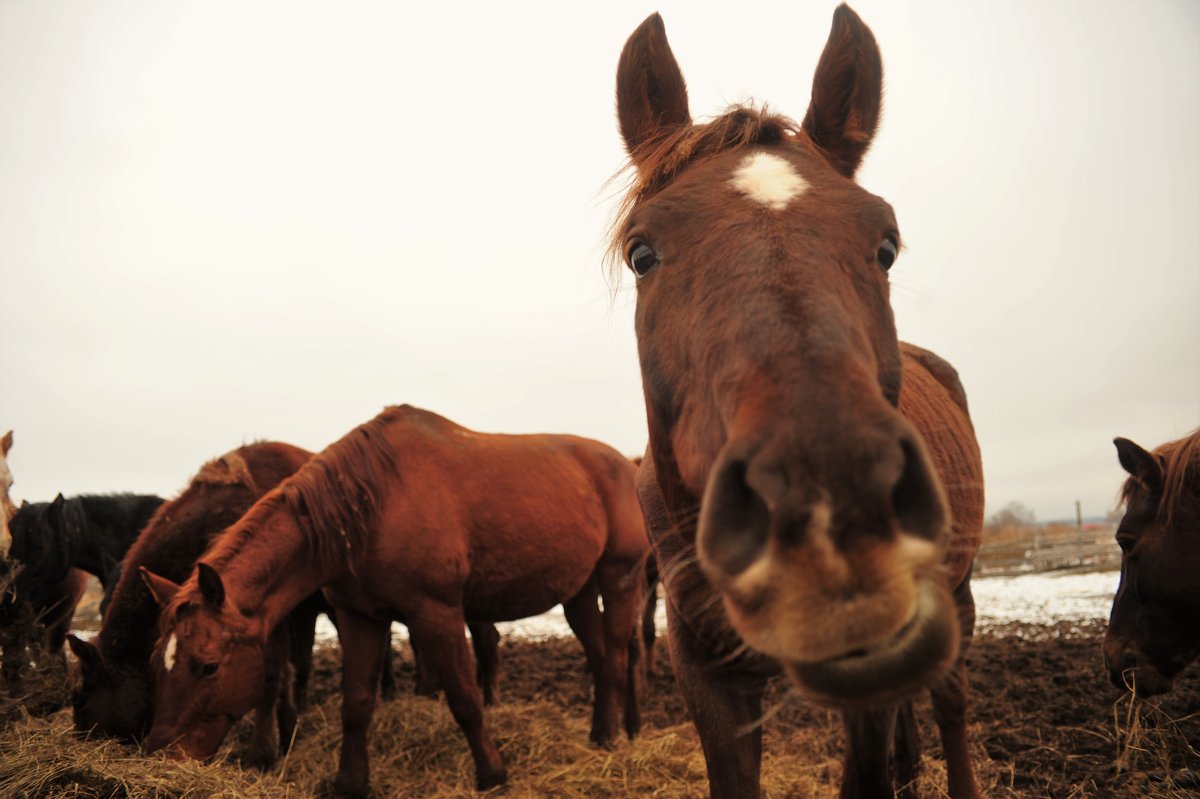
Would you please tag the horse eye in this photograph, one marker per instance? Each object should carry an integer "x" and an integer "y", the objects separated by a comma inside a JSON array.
[
  {"x": 642, "y": 258},
  {"x": 887, "y": 254},
  {"x": 209, "y": 669}
]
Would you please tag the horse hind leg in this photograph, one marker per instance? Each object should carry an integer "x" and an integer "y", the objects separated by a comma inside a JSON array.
[
  {"x": 621, "y": 587},
  {"x": 586, "y": 621},
  {"x": 485, "y": 640}
]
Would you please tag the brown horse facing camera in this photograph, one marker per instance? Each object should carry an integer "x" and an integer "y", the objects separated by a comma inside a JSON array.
[
  {"x": 817, "y": 477},
  {"x": 1154, "y": 629},
  {"x": 412, "y": 517}
]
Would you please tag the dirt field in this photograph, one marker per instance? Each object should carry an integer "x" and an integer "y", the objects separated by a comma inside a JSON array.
[{"x": 1046, "y": 724}]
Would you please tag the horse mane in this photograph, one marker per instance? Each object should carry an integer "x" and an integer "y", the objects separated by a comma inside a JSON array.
[
  {"x": 1180, "y": 460},
  {"x": 178, "y": 533},
  {"x": 661, "y": 158},
  {"x": 334, "y": 498}
]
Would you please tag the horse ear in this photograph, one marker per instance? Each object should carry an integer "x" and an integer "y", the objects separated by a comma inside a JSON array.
[
  {"x": 87, "y": 653},
  {"x": 162, "y": 589},
  {"x": 54, "y": 512},
  {"x": 1140, "y": 464},
  {"x": 847, "y": 93},
  {"x": 651, "y": 94},
  {"x": 6, "y": 443},
  {"x": 211, "y": 586}
]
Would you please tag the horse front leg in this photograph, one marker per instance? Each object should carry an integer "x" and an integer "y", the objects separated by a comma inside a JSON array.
[
  {"x": 439, "y": 632},
  {"x": 302, "y": 624},
  {"x": 949, "y": 696},
  {"x": 363, "y": 641},
  {"x": 867, "y": 773},
  {"x": 726, "y": 707},
  {"x": 264, "y": 744}
]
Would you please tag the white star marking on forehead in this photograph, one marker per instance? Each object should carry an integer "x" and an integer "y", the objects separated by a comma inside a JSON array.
[
  {"x": 768, "y": 179},
  {"x": 169, "y": 654}
]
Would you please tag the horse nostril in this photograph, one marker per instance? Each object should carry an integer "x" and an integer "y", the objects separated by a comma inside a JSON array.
[
  {"x": 735, "y": 524},
  {"x": 916, "y": 497}
]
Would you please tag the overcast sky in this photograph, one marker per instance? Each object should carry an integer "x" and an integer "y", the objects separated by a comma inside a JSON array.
[{"x": 230, "y": 221}]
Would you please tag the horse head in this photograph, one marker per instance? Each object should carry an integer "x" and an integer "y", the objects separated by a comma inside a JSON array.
[
  {"x": 772, "y": 371},
  {"x": 1154, "y": 628},
  {"x": 208, "y": 664},
  {"x": 108, "y": 700}
]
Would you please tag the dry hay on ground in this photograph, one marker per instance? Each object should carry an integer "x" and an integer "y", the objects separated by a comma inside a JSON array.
[{"x": 1045, "y": 724}]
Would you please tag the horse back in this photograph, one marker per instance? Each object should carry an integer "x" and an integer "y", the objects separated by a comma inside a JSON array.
[
  {"x": 494, "y": 509},
  {"x": 933, "y": 399}
]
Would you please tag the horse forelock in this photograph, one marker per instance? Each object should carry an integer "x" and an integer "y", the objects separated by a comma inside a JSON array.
[{"x": 660, "y": 159}]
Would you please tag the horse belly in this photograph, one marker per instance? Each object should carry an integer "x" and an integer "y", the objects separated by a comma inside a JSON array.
[{"x": 515, "y": 579}]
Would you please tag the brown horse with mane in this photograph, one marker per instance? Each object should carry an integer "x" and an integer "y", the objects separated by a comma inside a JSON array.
[
  {"x": 813, "y": 487},
  {"x": 413, "y": 517},
  {"x": 1154, "y": 629}
]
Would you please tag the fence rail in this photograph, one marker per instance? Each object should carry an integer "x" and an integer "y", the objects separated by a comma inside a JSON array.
[{"x": 1050, "y": 549}]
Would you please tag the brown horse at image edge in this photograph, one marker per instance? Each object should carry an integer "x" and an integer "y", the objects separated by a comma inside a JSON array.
[
  {"x": 412, "y": 517},
  {"x": 1154, "y": 628},
  {"x": 812, "y": 487}
]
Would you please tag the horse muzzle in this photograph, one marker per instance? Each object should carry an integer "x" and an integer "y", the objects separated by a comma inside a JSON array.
[{"x": 1127, "y": 671}]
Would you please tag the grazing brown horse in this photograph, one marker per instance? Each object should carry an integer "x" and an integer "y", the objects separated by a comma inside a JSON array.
[
  {"x": 114, "y": 690},
  {"x": 413, "y": 517},
  {"x": 1154, "y": 629},
  {"x": 812, "y": 487}
]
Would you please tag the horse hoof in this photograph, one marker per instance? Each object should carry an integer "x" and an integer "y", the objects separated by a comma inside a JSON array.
[
  {"x": 262, "y": 761},
  {"x": 491, "y": 778},
  {"x": 608, "y": 742},
  {"x": 332, "y": 790}
]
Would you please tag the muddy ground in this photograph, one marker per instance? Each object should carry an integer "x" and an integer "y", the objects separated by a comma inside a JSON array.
[
  {"x": 1045, "y": 720},
  {"x": 1045, "y": 723}
]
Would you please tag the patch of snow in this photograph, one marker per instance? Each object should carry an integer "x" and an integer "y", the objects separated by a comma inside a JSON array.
[{"x": 1038, "y": 599}]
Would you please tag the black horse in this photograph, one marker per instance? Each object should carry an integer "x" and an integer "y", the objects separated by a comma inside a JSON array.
[{"x": 53, "y": 542}]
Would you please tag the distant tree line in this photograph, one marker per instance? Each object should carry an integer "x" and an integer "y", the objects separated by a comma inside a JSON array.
[{"x": 1014, "y": 514}]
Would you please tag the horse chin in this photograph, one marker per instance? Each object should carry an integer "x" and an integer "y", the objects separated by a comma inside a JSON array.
[{"x": 921, "y": 652}]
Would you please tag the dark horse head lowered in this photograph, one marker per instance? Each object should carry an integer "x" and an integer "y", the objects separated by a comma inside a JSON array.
[
  {"x": 1154, "y": 629},
  {"x": 785, "y": 475}
]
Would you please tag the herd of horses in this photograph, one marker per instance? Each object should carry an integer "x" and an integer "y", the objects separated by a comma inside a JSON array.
[{"x": 811, "y": 497}]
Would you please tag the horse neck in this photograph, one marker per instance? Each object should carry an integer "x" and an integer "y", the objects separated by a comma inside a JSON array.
[
  {"x": 268, "y": 568},
  {"x": 169, "y": 547}
]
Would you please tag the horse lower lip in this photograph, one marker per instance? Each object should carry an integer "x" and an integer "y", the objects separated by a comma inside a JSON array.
[{"x": 924, "y": 648}]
